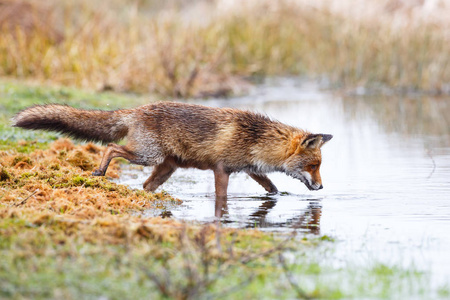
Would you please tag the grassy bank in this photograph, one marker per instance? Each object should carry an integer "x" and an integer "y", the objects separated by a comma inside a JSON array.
[{"x": 201, "y": 50}]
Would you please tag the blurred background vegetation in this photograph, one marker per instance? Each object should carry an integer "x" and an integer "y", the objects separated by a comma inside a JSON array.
[{"x": 197, "y": 48}]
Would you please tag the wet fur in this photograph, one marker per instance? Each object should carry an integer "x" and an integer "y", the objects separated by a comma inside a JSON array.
[{"x": 169, "y": 135}]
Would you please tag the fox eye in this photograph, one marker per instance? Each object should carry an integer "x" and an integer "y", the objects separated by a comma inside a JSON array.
[{"x": 314, "y": 167}]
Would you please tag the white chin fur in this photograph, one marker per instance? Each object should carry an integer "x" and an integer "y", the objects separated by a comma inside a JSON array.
[
  {"x": 315, "y": 186},
  {"x": 308, "y": 178}
]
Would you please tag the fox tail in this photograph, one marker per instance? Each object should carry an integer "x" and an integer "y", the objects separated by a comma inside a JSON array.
[{"x": 90, "y": 125}]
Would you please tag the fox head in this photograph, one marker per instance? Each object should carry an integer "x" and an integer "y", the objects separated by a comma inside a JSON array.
[{"x": 305, "y": 158}]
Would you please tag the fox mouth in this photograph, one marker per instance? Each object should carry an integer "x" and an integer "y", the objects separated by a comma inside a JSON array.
[
  {"x": 309, "y": 186},
  {"x": 306, "y": 182}
]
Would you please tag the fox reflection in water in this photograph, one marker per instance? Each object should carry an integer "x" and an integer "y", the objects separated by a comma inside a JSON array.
[{"x": 307, "y": 221}]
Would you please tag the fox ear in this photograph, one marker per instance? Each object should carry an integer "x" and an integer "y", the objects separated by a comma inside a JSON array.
[
  {"x": 326, "y": 138},
  {"x": 314, "y": 141}
]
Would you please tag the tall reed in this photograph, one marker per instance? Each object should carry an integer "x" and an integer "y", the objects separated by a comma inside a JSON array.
[{"x": 126, "y": 48}]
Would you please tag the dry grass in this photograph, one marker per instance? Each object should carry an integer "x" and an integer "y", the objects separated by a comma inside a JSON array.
[
  {"x": 208, "y": 49},
  {"x": 54, "y": 186}
]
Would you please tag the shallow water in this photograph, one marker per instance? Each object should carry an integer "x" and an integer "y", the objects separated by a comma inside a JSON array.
[{"x": 386, "y": 177}]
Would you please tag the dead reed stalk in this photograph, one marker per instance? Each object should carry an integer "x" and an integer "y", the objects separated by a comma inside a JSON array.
[{"x": 179, "y": 54}]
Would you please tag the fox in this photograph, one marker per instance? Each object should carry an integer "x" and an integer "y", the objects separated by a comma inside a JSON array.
[{"x": 171, "y": 135}]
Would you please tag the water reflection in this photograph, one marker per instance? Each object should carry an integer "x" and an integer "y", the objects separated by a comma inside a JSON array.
[
  {"x": 310, "y": 220},
  {"x": 423, "y": 116},
  {"x": 306, "y": 219},
  {"x": 221, "y": 207}
]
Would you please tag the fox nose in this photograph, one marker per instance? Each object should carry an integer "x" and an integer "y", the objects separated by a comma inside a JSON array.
[{"x": 320, "y": 187}]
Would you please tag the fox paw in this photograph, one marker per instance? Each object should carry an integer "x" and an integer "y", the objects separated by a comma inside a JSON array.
[{"x": 98, "y": 172}]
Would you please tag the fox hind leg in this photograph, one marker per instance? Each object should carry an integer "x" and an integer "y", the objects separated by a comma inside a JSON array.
[
  {"x": 265, "y": 182},
  {"x": 160, "y": 174},
  {"x": 113, "y": 151}
]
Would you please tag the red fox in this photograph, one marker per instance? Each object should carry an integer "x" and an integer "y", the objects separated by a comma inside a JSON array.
[{"x": 169, "y": 135}]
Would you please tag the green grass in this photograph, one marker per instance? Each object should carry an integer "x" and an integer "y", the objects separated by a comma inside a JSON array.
[
  {"x": 17, "y": 96},
  {"x": 38, "y": 268}
]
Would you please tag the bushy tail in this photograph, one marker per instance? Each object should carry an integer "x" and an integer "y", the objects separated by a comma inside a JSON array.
[{"x": 90, "y": 125}]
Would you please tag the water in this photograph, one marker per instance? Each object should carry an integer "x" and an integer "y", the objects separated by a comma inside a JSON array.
[{"x": 386, "y": 177}]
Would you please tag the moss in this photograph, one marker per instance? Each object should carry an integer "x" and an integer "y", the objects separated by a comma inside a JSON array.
[
  {"x": 28, "y": 174},
  {"x": 4, "y": 175},
  {"x": 82, "y": 160},
  {"x": 54, "y": 166},
  {"x": 21, "y": 159},
  {"x": 77, "y": 181},
  {"x": 69, "y": 190}
]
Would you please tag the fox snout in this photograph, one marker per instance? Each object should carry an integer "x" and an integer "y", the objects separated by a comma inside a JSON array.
[
  {"x": 315, "y": 187},
  {"x": 312, "y": 181}
]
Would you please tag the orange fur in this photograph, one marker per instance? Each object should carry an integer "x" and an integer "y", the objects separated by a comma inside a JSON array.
[{"x": 170, "y": 135}]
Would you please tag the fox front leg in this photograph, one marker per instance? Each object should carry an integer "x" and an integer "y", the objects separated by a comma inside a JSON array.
[
  {"x": 160, "y": 174},
  {"x": 221, "y": 177},
  {"x": 265, "y": 182},
  {"x": 113, "y": 151}
]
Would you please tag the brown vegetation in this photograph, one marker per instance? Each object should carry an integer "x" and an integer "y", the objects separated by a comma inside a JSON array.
[
  {"x": 54, "y": 187},
  {"x": 210, "y": 51},
  {"x": 22, "y": 20}
]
